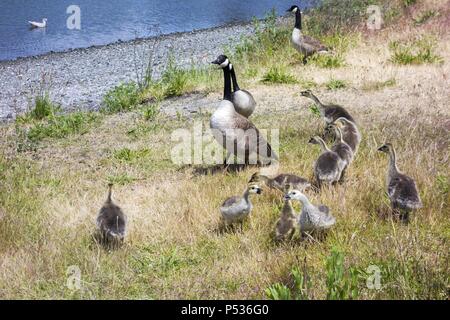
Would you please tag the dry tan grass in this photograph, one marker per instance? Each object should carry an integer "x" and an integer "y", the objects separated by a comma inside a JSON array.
[{"x": 175, "y": 249}]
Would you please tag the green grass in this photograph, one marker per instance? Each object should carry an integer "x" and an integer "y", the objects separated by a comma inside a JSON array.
[
  {"x": 150, "y": 112},
  {"x": 278, "y": 75},
  {"x": 341, "y": 283},
  {"x": 327, "y": 61},
  {"x": 129, "y": 156},
  {"x": 121, "y": 98},
  {"x": 43, "y": 107},
  {"x": 335, "y": 84},
  {"x": 424, "y": 17},
  {"x": 62, "y": 126},
  {"x": 419, "y": 51}
]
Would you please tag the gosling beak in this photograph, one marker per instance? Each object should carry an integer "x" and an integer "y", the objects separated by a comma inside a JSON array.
[{"x": 259, "y": 191}]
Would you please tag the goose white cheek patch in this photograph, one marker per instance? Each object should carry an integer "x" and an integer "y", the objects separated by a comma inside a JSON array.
[
  {"x": 295, "y": 10},
  {"x": 225, "y": 63}
]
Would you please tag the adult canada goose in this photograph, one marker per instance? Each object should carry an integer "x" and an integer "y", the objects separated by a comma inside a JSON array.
[
  {"x": 111, "y": 221},
  {"x": 328, "y": 167},
  {"x": 237, "y": 208},
  {"x": 401, "y": 189},
  {"x": 329, "y": 112},
  {"x": 350, "y": 133},
  {"x": 280, "y": 181},
  {"x": 285, "y": 226},
  {"x": 312, "y": 218},
  {"x": 305, "y": 45},
  {"x": 35, "y": 24},
  {"x": 344, "y": 151},
  {"x": 237, "y": 134},
  {"x": 243, "y": 101}
]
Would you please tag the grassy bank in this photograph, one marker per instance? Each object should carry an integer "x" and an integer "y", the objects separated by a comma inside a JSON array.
[{"x": 55, "y": 168}]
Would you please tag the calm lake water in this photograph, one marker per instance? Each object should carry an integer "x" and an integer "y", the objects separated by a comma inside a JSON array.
[{"x": 107, "y": 21}]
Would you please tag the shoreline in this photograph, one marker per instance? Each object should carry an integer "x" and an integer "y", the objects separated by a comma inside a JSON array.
[{"x": 77, "y": 79}]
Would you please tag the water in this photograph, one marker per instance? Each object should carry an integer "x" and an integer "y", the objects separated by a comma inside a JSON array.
[{"x": 107, "y": 21}]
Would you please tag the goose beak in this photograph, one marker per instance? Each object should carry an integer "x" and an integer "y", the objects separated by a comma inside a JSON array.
[
  {"x": 311, "y": 141},
  {"x": 380, "y": 149},
  {"x": 287, "y": 197},
  {"x": 215, "y": 62}
]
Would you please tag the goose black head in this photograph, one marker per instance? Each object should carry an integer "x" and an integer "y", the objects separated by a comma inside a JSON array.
[
  {"x": 255, "y": 189},
  {"x": 222, "y": 61},
  {"x": 313, "y": 140},
  {"x": 293, "y": 9},
  {"x": 306, "y": 93},
  {"x": 385, "y": 147}
]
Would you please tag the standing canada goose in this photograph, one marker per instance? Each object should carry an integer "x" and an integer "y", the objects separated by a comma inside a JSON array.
[
  {"x": 350, "y": 133},
  {"x": 311, "y": 218},
  {"x": 280, "y": 181},
  {"x": 401, "y": 189},
  {"x": 285, "y": 227},
  {"x": 234, "y": 132},
  {"x": 243, "y": 101},
  {"x": 237, "y": 208},
  {"x": 111, "y": 221},
  {"x": 344, "y": 151},
  {"x": 329, "y": 112},
  {"x": 305, "y": 45},
  {"x": 328, "y": 166}
]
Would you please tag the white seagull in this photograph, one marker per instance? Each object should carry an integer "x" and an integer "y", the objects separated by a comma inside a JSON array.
[{"x": 35, "y": 24}]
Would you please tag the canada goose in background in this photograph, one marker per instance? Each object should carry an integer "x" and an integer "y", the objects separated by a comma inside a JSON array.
[
  {"x": 344, "y": 151},
  {"x": 312, "y": 218},
  {"x": 350, "y": 133},
  {"x": 401, "y": 189},
  {"x": 234, "y": 132},
  {"x": 243, "y": 101},
  {"x": 329, "y": 112},
  {"x": 111, "y": 221},
  {"x": 280, "y": 181},
  {"x": 237, "y": 208},
  {"x": 328, "y": 167},
  {"x": 305, "y": 45},
  {"x": 285, "y": 226},
  {"x": 34, "y": 24}
]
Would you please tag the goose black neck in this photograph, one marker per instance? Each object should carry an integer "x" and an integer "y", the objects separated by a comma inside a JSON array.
[
  {"x": 235, "y": 84},
  {"x": 227, "y": 84},
  {"x": 298, "y": 19}
]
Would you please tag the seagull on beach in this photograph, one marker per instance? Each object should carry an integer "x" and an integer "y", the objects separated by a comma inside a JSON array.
[{"x": 35, "y": 24}]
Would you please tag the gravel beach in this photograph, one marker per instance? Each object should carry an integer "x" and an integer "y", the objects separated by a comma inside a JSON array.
[{"x": 78, "y": 79}]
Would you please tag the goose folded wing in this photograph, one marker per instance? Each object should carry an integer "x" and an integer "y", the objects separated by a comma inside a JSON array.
[
  {"x": 231, "y": 201},
  {"x": 315, "y": 43},
  {"x": 241, "y": 122},
  {"x": 403, "y": 192}
]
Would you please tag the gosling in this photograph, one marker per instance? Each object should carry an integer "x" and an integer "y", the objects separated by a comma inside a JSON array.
[
  {"x": 350, "y": 133},
  {"x": 280, "y": 181},
  {"x": 237, "y": 208},
  {"x": 111, "y": 221},
  {"x": 328, "y": 167},
  {"x": 343, "y": 150},
  {"x": 329, "y": 113},
  {"x": 312, "y": 218},
  {"x": 285, "y": 226},
  {"x": 401, "y": 189}
]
